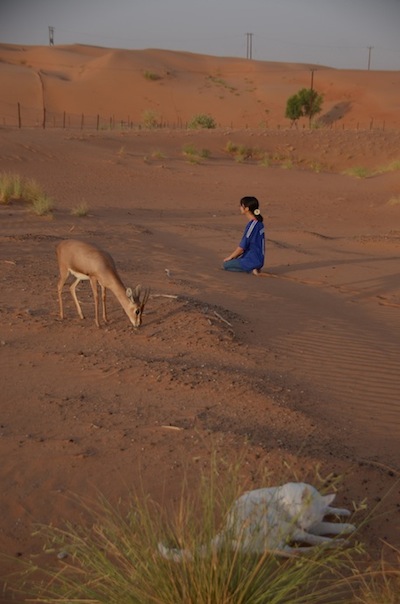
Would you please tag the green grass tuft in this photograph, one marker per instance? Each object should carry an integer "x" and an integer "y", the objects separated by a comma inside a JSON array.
[
  {"x": 152, "y": 76},
  {"x": 11, "y": 187},
  {"x": 358, "y": 172},
  {"x": 42, "y": 205},
  {"x": 195, "y": 155},
  {"x": 15, "y": 188},
  {"x": 80, "y": 210},
  {"x": 113, "y": 558}
]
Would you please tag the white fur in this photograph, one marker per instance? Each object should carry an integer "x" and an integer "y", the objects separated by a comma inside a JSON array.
[{"x": 270, "y": 519}]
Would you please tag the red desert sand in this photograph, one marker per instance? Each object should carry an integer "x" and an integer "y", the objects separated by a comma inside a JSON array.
[{"x": 299, "y": 367}]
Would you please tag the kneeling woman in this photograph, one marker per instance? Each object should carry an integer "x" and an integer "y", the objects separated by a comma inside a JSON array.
[{"x": 249, "y": 256}]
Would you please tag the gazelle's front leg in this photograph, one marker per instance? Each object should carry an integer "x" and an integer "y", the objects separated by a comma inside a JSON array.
[
  {"x": 73, "y": 293},
  {"x": 331, "y": 528},
  {"x": 60, "y": 286},
  {"x": 310, "y": 538},
  {"x": 103, "y": 299}
]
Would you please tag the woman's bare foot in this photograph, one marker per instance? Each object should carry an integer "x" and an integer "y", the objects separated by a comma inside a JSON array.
[{"x": 255, "y": 271}]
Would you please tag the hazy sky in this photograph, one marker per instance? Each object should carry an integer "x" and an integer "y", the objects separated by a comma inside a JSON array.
[{"x": 346, "y": 34}]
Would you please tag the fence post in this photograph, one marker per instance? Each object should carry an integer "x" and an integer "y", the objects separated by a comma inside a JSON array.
[
  {"x": 64, "y": 120},
  {"x": 44, "y": 118},
  {"x": 97, "y": 122},
  {"x": 82, "y": 120},
  {"x": 19, "y": 115}
]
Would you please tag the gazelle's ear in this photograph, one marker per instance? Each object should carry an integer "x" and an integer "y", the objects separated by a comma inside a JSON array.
[
  {"x": 146, "y": 296},
  {"x": 134, "y": 295},
  {"x": 307, "y": 493},
  {"x": 328, "y": 499}
]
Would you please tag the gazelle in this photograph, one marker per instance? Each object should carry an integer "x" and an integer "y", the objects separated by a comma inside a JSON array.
[{"x": 88, "y": 262}]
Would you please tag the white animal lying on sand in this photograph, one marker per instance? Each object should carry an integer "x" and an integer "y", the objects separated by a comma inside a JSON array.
[{"x": 271, "y": 519}]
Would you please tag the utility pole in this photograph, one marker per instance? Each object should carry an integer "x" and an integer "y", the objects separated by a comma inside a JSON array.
[
  {"x": 249, "y": 46},
  {"x": 311, "y": 97},
  {"x": 369, "y": 56},
  {"x": 51, "y": 36}
]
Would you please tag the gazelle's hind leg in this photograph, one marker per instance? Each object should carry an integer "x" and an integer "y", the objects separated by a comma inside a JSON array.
[
  {"x": 337, "y": 512},
  {"x": 75, "y": 298},
  {"x": 93, "y": 284}
]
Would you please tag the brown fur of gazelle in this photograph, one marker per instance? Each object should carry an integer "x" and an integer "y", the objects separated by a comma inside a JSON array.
[{"x": 88, "y": 262}]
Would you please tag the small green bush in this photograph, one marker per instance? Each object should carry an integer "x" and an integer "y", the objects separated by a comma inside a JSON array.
[
  {"x": 82, "y": 209},
  {"x": 42, "y": 205},
  {"x": 13, "y": 187},
  {"x": 358, "y": 172},
  {"x": 195, "y": 155},
  {"x": 150, "y": 75},
  {"x": 394, "y": 166},
  {"x": 150, "y": 119},
  {"x": 242, "y": 153},
  {"x": 202, "y": 120}
]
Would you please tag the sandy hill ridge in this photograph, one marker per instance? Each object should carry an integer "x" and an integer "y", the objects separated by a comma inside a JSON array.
[{"x": 175, "y": 86}]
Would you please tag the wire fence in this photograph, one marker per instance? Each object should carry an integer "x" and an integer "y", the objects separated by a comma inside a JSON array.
[{"x": 22, "y": 116}]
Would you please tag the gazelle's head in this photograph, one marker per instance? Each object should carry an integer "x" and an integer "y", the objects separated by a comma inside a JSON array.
[{"x": 137, "y": 305}]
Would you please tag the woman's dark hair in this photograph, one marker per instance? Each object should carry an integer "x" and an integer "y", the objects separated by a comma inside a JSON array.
[{"x": 251, "y": 203}]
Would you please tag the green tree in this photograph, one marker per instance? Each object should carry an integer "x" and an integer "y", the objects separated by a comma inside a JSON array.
[
  {"x": 294, "y": 110},
  {"x": 307, "y": 102}
]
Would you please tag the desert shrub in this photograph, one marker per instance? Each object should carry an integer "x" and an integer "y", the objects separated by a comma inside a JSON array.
[
  {"x": 358, "y": 172},
  {"x": 158, "y": 155},
  {"x": 242, "y": 152},
  {"x": 150, "y": 119},
  {"x": 231, "y": 148},
  {"x": 265, "y": 161},
  {"x": 32, "y": 190},
  {"x": 394, "y": 166},
  {"x": 150, "y": 75},
  {"x": 195, "y": 155},
  {"x": 42, "y": 205},
  {"x": 287, "y": 164},
  {"x": 202, "y": 120},
  {"x": 82, "y": 209},
  {"x": 316, "y": 166},
  {"x": 11, "y": 187},
  {"x": 114, "y": 559}
]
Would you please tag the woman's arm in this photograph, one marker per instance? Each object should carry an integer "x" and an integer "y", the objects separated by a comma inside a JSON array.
[{"x": 238, "y": 252}]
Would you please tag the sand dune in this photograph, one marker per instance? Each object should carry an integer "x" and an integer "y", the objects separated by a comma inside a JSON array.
[{"x": 176, "y": 86}]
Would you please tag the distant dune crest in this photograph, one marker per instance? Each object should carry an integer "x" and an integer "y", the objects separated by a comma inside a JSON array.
[{"x": 239, "y": 93}]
